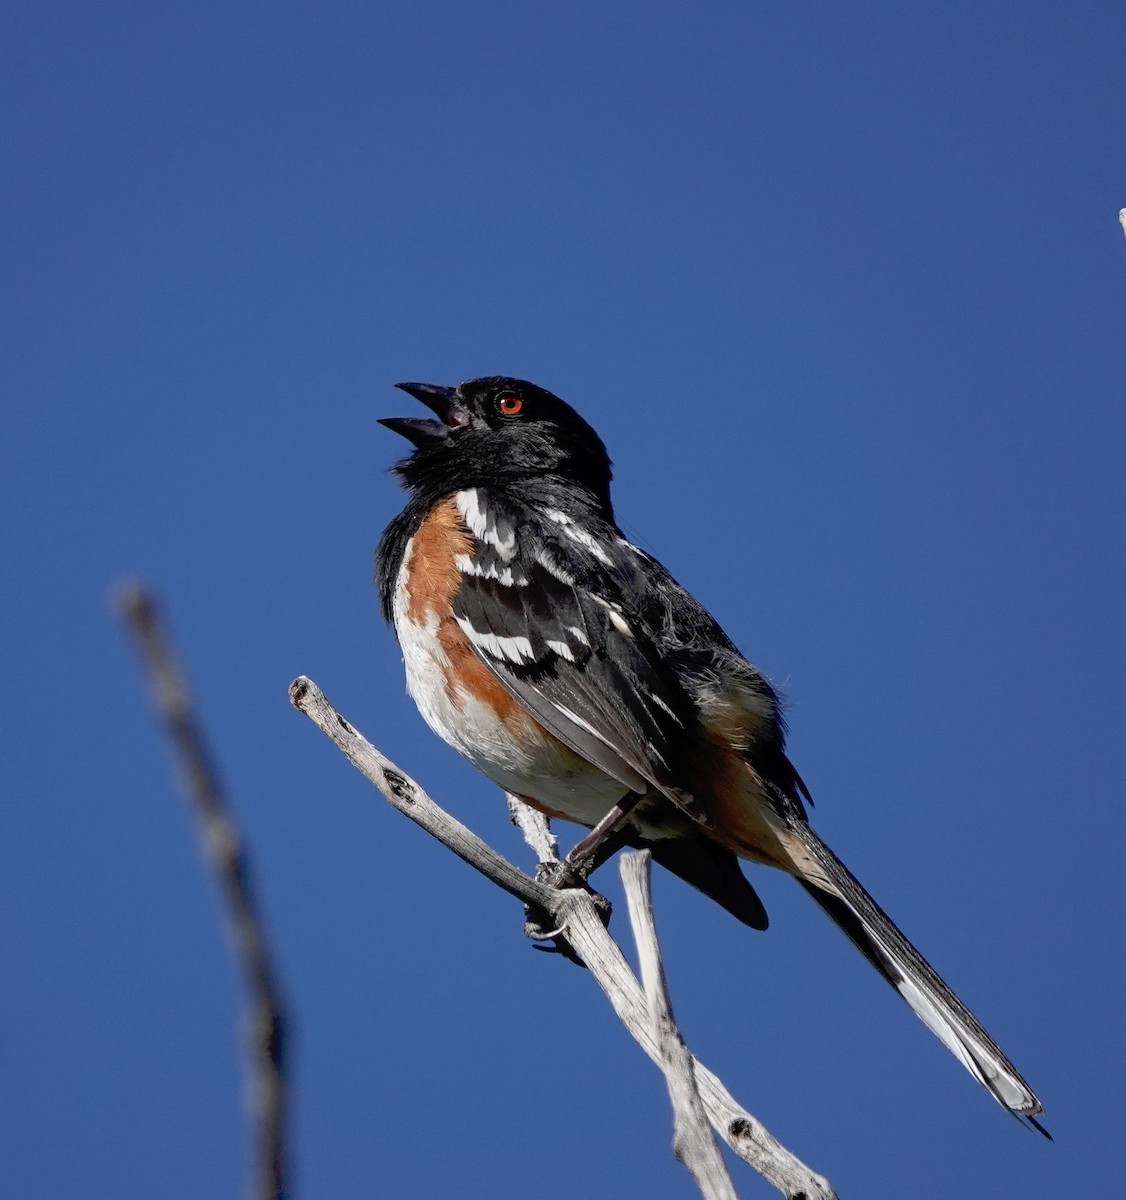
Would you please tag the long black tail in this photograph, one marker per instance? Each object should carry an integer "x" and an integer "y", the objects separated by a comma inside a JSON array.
[{"x": 874, "y": 933}]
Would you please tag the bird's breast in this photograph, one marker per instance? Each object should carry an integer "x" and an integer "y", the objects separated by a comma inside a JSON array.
[{"x": 463, "y": 701}]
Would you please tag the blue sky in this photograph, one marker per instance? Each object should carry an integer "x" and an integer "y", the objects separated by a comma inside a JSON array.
[{"x": 844, "y": 283}]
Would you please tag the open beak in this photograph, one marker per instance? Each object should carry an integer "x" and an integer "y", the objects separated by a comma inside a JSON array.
[{"x": 442, "y": 401}]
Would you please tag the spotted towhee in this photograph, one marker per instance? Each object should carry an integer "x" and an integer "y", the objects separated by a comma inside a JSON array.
[{"x": 575, "y": 672}]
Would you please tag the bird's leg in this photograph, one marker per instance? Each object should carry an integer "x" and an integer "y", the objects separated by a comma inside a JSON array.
[
  {"x": 580, "y": 860},
  {"x": 589, "y": 852},
  {"x": 539, "y": 924}
]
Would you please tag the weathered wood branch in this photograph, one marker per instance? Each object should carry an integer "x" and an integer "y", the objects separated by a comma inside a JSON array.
[
  {"x": 693, "y": 1141},
  {"x": 535, "y": 827},
  {"x": 575, "y": 912},
  {"x": 223, "y": 847}
]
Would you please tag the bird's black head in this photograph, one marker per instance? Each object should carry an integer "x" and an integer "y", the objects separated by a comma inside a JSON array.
[{"x": 498, "y": 431}]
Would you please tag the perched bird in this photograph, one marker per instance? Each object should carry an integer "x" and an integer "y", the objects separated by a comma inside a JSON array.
[{"x": 575, "y": 672}]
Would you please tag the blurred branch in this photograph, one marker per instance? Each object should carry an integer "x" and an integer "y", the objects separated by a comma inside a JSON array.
[
  {"x": 575, "y": 913},
  {"x": 224, "y": 850}
]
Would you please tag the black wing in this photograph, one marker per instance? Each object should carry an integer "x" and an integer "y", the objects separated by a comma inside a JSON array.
[{"x": 542, "y": 603}]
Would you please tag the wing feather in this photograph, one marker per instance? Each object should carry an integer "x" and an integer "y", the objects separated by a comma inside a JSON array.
[{"x": 578, "y": 659}]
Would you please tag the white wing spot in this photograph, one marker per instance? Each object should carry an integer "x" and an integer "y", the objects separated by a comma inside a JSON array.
[
  {"x": 661, "y": 704},
  {"x": 619, "y": 623},
  {"x": 573, "y": 716},
  {"x": 552, "y": 567},
  {"x": 470, "y": 566},
  {"x": 511, "y": 649},
  {"x": 469, "y": 507},
  {"x": 578, "y": 534},
  {"x": 503, "y": 537},
  {"x": 498, "y": 534},
  {"x": 562, "y": 649}
]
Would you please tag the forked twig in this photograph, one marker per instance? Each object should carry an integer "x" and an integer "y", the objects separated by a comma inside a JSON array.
[{"x": 574, "y": 911}]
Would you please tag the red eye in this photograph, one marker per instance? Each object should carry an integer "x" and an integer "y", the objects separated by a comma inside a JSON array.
[{"x": 510, "y": 405}]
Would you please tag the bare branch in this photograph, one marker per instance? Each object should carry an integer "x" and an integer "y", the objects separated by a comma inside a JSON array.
[
  {"x": 693, "y": 1142},
  {"x": 745, "y": 1134},
  {"x": 536, "y": 829},
  {"x": 574, "y": 910},
  {"x": 224, "y": 849},
  {"x": 404, "y": 794}
]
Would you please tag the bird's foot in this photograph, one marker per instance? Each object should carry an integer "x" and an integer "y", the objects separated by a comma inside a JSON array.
[{"x": 542, "y": 926}]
